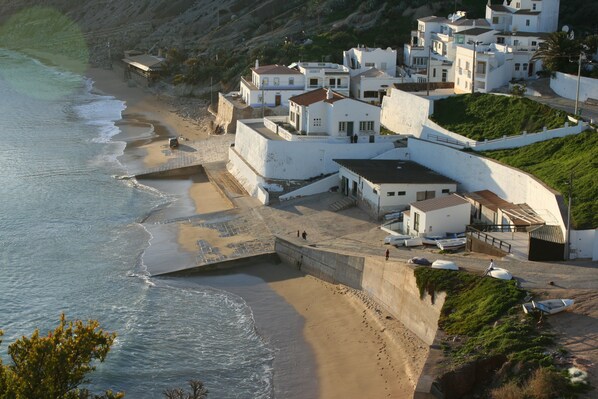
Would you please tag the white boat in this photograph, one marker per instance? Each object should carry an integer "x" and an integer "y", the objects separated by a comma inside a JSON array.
[
  {"x": 501, "y": 274},
  {"x": 431, "y": 240},
  {"x": 444, "y": 264},
  {"x": 549, "y": 306},
  {"x": 414, "y": 242},
  {"x": 451, "y": 243},
  {"x": 397, "y": 240}
]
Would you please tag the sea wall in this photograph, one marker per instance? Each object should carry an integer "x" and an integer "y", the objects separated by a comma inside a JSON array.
[{"x": 391, "y": 284}]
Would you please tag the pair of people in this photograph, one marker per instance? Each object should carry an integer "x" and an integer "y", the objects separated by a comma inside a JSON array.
[{"x": 303, "y": 235}]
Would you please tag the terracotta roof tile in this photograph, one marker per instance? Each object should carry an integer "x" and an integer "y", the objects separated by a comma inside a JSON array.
[
  {"x": 315, "y": 96},
  {"x": 275, "y": 70}
]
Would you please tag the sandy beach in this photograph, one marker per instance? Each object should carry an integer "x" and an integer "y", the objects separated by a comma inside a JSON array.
[{"x": 358, "y": 351}]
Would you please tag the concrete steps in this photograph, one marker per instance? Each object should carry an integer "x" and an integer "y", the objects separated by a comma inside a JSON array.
[{"x": 342, "y": 204}]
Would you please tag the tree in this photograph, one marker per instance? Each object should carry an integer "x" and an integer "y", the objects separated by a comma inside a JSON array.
[
  {"x": 198, "y": 391},
  {"x": 557, "y": 52},
  {"x": 54, "y": 366}
]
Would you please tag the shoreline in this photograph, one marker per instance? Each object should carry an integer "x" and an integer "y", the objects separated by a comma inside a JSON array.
[{"x": 341, "y": 347}]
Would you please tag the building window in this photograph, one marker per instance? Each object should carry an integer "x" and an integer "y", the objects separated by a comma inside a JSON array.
[
  {"x": 534, "y": 6},
  {"x": 467, "y": 66},
  {"x": 517, "y": 5},
  {"x": 495, "y": 20},
  {"x": 317, "y": 122},
  {"x": 265, "y": 81},
  {"x": 400, "y": 192},
  {"x": 534, "y": 43},
  {"x": 276, "y": 81},
  {"x": 370, "y": 94},
  {"x": 434, "y": 72},
  {"x": 524, "y": 67},
  {"x": 446, "y": 191},
  {"x": 369, "y": 64},
  {"x": 313, "y": 82},
  {"x": 291, "y": 81},
  {"x": 500, "y": 40},
  {"x": 366, "y": 126},
  {"x": 292, "y": 117},
  {"x": 517, "y": 66},
  {"x": 390, "y": 194},
  {"x": 527, "y": 22},
  {"x": 342, "y": 126},
  {"x": 331, "y": 82}
]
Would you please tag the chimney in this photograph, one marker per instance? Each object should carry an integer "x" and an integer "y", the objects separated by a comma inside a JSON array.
[
  {"x": 329, "y": 94},
  {"x": 257, "y": 63}
]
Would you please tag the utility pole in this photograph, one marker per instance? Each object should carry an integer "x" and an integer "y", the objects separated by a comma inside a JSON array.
[
  {"x": 109, "y": 56},
  {"x": 578, "y": 80},
  {"x": 428, "y": 71},
  {"x": 211, "y": 93},
  {"x": 568, "y": 235},
  {"x": 263, "y": 99},
  {"x": 473, "y": 68}
]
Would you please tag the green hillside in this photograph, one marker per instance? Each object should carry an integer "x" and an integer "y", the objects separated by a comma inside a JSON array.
[
  {"x": 553, "y": 161},
  {"x": 486, "y": 116}
]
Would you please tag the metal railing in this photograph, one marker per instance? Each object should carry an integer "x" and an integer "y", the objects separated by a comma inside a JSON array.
[{"x": 472, "y": 232}]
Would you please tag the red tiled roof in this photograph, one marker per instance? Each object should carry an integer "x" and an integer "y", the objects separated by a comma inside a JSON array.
[
  {"x": 315, "y": 96},
  {"x": 275, "y": 70}
]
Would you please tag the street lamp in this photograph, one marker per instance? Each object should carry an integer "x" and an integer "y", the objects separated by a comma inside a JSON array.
[{"x": 475, "y": 43}]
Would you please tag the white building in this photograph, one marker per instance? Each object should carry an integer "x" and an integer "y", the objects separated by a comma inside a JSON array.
[
  {"x": 502, "y": 44},
  {"x": 271, "y": 85},
  {"x": 384, "y": 186},
  {"x": 371, "y": 85},
  {"x": 361, "y": 58},
  {"x": 324, "y": 75},
  {"x": 439, "y": 216},
  {"x": 325, "y": 113}
]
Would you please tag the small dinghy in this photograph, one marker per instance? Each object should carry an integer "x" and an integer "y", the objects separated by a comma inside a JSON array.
[
  {"x": 414, "y": 242},
  {"x": 444, "y": 264},
  {"x": 431, "y": 240},
  {"x": 452, "y": 243},
  {"x": 416, "y": 260},
  {"x": 549, "y": 306},
  {"x": 397, "y": 240},
  {"x": 501, "y": 274}
]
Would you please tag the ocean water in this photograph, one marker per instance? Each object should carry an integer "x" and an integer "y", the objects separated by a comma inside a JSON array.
[{"x": 71, "y": 241}]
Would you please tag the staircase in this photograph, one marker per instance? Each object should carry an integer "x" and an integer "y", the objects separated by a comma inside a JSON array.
[{"x": 342, "y": 204}]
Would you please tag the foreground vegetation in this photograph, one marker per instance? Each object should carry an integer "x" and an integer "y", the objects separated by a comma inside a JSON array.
[
  {"x": 482, "y": 319},
  {"x": 486, "y": 116},
  {"x": 553, "y": 161}
]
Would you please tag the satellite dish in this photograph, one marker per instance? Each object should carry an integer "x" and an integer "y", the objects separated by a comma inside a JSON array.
[{"x": 565, "y": 28}]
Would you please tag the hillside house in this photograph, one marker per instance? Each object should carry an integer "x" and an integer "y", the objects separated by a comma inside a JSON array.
[
  {"x": 361, "y": 58},
  {"x": 323, "y": 112},
  {"x": 371, "y": 85},
  {"x": 484, "y": 53},
  {"x": 324, "y": 75},
  {"x": 271, "y": 85},
  {"x": 385, "y": 186},
  {"x": 439, "y": 216}
]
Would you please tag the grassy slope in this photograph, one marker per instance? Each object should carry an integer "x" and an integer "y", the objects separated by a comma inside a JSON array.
[
  {"x": 552, "y": 162},
  {"x": 486, "y": 116}
]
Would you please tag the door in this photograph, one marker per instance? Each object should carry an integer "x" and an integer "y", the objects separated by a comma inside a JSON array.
[
  {"x": 349, "y": 128},
  {"x": 531, "y": 69},
  {"x": 277, "y": 100},
  {"x": 354, "y": 191}
]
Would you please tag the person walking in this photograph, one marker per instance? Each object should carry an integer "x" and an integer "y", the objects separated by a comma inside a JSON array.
[
  {"x": 304, "y": 235},
  {"x": 387, "y": 253},
  {"x": 490, "y": 267}
]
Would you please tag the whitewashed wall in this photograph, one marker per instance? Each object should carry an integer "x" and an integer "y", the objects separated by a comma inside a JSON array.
[
  {"x": 247, "y": 177},
  {"x": 405, "y": 113},
  {"x": 584, "y": 244},
  {"x": 280, "y": 159},
  {"x": 441, "y": 221},
  {"x": 320, "y": 186},
  {"x": 565, "y": 85},
  {"x": 351, "y": 110},
  {"x": 478, "y": 173}
]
